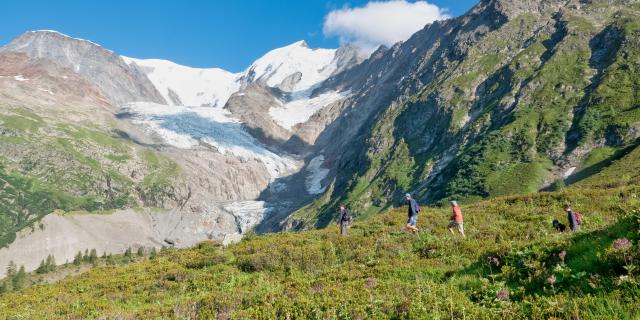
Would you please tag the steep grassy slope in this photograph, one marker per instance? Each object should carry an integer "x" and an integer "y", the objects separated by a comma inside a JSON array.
[
  {"x": 510, "y": 112},
  {"x": 512, "y": 265},
  {"x": 49, "y": 164}
]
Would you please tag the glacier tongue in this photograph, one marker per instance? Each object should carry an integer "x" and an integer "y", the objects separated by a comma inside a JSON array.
[
  {"x": 190, "y": 127},
  {"x": 247, "y": 213}
]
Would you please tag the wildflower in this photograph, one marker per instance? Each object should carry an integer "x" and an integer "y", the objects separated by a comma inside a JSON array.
[
  {"x": 562, "y": 255},
  {"x": 503, "y": 294},
  {"x": 317, "y": 288},
  {"x": 552, "y": 279},
  {"x": 494, "y": 261},
  {"x": 370, "y": 283},
  {"x": 622, "y": 244}
]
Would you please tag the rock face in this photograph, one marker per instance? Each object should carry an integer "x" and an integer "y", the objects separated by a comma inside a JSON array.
[
  {"x": 119, "y": 82},
  {"x": 37, "y": 82},
  {"x": 64, "y": 235}
]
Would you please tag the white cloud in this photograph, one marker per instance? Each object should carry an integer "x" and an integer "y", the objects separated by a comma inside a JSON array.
[{"x": 380, "y": 22}]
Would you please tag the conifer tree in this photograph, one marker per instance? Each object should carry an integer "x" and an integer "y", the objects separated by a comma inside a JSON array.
[
  {"x": 19, "y": 279},
  {"x": 6, "y": 286},
  {"x": 42, "y": 268},
  {"x": 93, "y": 256},
  {"x": 77, "y": 260},
  {"x": 11, "y": 269},
  {"x": 50, "y": 263}
]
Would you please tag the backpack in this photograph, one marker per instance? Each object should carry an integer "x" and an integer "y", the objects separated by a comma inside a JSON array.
[
  {"x": 578, "y": 218},
  {"x": 346, "y": 217}
]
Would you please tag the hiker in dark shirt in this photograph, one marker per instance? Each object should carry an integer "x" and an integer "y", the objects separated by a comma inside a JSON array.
[
  {"x": 344, "y": 220},
  {"x": 414, "y": 208},
  {"x": 571, "y": 216}
]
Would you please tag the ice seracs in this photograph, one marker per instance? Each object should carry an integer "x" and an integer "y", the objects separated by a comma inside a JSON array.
[
  {"x": 190, "y": 127},
  {"x": 247, "y": 213}
]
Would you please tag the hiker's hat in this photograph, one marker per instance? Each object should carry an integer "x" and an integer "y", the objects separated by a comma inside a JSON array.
[
  {"x": 407, "y": 195},
  {"x": 454, "y": 203}
]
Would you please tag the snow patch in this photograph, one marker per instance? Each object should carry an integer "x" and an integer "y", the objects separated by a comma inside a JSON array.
[
  {"x": 315, "y": 175},
  {"x": 569, "y": 172},
  {"x": 46, "y": 90}
]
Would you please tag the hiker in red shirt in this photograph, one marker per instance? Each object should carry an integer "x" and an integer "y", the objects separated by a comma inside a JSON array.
[{"x": 456, "y": 219}]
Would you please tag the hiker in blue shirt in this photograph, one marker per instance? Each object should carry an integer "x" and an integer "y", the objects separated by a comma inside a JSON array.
[{"x": 414, "y": 208}]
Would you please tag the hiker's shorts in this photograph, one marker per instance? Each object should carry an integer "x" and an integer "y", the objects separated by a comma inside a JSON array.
[
  {"x": 412, "y": 220},
  {"x": 454, "y": 224}
]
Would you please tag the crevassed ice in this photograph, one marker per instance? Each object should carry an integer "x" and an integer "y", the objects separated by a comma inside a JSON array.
[
  {"x": 247, "y": 213},
  {"x": 188, "y": 127}
]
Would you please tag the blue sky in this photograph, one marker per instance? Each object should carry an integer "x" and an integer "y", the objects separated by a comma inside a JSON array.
[{"x": 219, "y": 33}]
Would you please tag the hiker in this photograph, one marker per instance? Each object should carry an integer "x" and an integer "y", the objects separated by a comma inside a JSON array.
[
  {"x": 344, "y": 220},
  {"x": 414, "y": 208},
  {"x": 558, "y": 226},
  {"x": 456, "y": 219},
  {"x": 573, "y": 217}
]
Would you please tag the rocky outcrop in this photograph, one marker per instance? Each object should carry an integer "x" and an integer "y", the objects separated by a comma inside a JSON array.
[{"x": 119, "y": 82}]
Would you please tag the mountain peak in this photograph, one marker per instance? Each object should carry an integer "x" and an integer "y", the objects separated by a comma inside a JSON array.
[
  {"x": 118, "y": 81},
  {"x": 57, "y": 34},
  {"x": 302, "y": 43}
]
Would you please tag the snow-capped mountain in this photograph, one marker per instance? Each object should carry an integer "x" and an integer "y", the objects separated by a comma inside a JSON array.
[
  {"x": 294, "y": 68},
  {"x": 272, "y": 98},
  {"x": 185, "y": 86},
  {"x": 118, "y": 81},
  {"x": 242, "y": 143}
]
